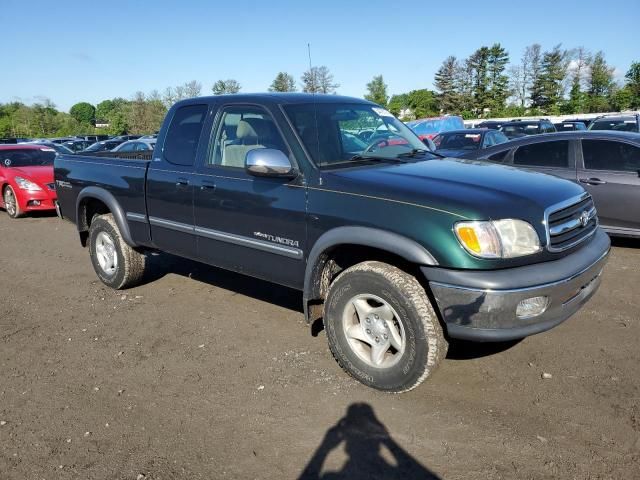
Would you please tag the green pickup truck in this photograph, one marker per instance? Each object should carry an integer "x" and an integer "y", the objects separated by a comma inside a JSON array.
[{"x": 395, "y": 248}]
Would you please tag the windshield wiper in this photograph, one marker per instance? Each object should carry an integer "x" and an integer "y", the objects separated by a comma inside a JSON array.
[
  {"x": 362, "y": 158},
  {"x": 420, "y": 151}
]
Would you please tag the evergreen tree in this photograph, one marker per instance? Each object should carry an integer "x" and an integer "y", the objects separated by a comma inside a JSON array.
[
  {"x": 377, "y": 91},
  {"x": 552, "y": 76},
  {"x": 497, "y": 61},
  {"x": 446, "y": 85},
  {"x": 600, "y": 84},
  {"x": 479, "y": 64},
  {"x": 222, "y": 87},
  {"x": 283, "y": 83}
]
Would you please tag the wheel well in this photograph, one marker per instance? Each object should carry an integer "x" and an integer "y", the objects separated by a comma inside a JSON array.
[
  {"x": 89, "y": 207},
  {"x": 340, "y": 257}
]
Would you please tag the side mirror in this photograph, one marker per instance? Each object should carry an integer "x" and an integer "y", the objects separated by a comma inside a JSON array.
[{"x": 268, "y": 162}]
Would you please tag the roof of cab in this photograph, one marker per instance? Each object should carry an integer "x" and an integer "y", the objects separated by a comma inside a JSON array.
[{"x": 277, "y": 98}]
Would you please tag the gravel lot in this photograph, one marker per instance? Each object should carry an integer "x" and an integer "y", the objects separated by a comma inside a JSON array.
[{"x": 203, "y": 374}]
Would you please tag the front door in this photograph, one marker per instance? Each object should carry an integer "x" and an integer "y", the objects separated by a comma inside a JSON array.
[
  {"x": 610, "y": 172},
  {"x": 552, "y": 157},
  {"x": 249, "y": 224},
  {"x": 170, "y": 182}
]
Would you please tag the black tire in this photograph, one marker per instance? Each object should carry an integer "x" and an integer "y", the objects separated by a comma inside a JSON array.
[
  {"x": 16, "y": 213},
  {"x": 130, "y": 264},
  {"x": 424, "y": 342}
]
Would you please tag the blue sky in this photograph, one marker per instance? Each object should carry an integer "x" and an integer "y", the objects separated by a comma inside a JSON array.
[{"x": 71, "y": 51}]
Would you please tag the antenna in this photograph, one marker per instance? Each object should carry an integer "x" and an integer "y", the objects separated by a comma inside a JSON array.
[{"x": 311, "y": 72}]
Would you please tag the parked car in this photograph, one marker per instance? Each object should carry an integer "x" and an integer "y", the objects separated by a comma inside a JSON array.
[
  {"x": 490, "y": 124},
  {"x": 378, "y": 239},
  {"x": 458, "y": 143},
  {"x": 135, "y": 146},
  {"x": 522, "y": 128},
  {"x": 124, "y": 138},
  {"x": 152, "y": 136},
  {"x": 59, "y": 148},
  {"x": 428, "y": 128},
  {"x": 102, "y": 146},
  {"x": 77, "y": 145},
  {"x": 569, "y": 126},
  {"x": 619, "y": 123},
  {"x": 606, "y": 163},
  {"x": 26, "y": 179}
]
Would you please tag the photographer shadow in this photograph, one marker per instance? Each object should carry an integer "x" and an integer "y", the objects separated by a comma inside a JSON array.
[{"x": 372, "y": 453}]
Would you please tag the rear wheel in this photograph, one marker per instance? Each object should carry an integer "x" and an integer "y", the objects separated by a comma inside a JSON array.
[
  {"x": 382, "y": 328},
  {"x": 11, "y": 203},
  {"x": 116, "y": 263}
]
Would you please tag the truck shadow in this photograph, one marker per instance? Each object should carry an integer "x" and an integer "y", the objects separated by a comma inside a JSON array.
[
  {"x": 161, "y": 264},
  {"x": 625, "y": 242},
  {"x": 372, "y": 452},
  {"x": 464, "y": 350}
]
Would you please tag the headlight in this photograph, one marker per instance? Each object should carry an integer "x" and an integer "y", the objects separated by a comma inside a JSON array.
[
  {"x": 25, "y": 184},
  {"x": 498, "y": 239}
]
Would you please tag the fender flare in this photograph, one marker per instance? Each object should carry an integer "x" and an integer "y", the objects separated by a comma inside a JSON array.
[
  {"x": 110, "y": 201},
  {"x": 390, "y": 242}
]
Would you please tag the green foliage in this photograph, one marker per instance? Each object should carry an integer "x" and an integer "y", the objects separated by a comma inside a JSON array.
[
  {"x": 547, "y": 91},
  {"x": 621, "y": 98},
  {"x": 377, "y": 91},
  {"x": 222, "y": 87},
  {"x": 104, "y": 108},
  {"x": 283, "y": 83},
  {"x": 84, "y": 113},
  {"x": 498, "y": 82},
  {"x": 397, "y": 103},
  {"x": 423, "y": 103},
  {"x": 633, "y": 84},
  {"x": 600, "y": 84}
]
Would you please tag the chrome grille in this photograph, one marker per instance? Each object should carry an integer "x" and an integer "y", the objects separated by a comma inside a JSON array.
[{"x": 570, "y": 223}]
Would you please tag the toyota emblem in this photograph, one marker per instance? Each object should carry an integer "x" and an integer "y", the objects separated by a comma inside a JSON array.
[{"x": 584, "y": 218}]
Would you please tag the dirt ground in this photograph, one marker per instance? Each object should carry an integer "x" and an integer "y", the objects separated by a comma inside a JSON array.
[{"x": 203, "y": 374}]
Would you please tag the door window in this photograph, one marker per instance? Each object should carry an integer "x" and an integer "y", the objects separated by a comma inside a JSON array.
[
  {"x": 240, "y": 130},
  {"x": 545, "y": 154},
  {"x": 181, "y": 142},
  {"x": 610, "y": 155}
]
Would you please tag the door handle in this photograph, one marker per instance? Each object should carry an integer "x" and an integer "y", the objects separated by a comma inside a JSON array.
[
  {"x": 207, "y": 185},
  {"x": 592, "y": 181},
  {"x": 181, "y": 182}
]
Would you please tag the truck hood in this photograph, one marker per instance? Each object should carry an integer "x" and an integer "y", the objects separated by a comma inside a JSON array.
[{"x": 465, "y": 188}]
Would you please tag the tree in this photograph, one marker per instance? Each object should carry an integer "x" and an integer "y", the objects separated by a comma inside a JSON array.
[
  {"x": 193, "y": 89},
  {"x": 497, "y": 61},
  {"x": 553, "y": 71},
  {"x": 633, "y": 84},
  {"x": 535, "y": 85},
  {"x": 578, "y": 66},
  {"x": 318, "y": 80},
  {"x": 600, "y": 83},
  {"x": 522, "y": 75},
  {"x": 398, "y": 103},
  {"x": 104, "y": 108},
  {"x": 478, "y": 63},
  {"x": 377, "y": 91},
  {"x": 222, "y": 87},
  {"x": 283, "y": 83},
  {"x": 445, "y": 83},
  {"x": 423, "y": 103},
  {"x": 84, "y": 113}
]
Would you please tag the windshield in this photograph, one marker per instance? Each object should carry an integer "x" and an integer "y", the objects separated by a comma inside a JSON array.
[
  {"x": 620, "y": 125},
  {"x": 520, "y": 130},
  {"x": 458, "y": 141},
  {"x": 335, "y": 133},
  {"x": 28, "y": 158}
]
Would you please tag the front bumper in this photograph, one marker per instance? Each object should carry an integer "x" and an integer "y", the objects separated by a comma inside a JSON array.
[
  {"x": 39, "y": 200},
  {"x": 481, "y": 305}
]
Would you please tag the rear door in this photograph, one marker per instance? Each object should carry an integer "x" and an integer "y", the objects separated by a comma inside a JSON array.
[
  {"x": 170, "y": 182},
  {"x": 556, "y": 157},
  {"x": 610, "y": 171}
]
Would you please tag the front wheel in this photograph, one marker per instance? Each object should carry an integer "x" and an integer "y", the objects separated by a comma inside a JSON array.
[
  {"x": 382, "y": 328},
  {"x": 116, "y": 263},
  {"x": 11, "y": 203}
]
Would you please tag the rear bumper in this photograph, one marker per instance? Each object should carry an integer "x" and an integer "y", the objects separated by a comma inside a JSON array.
[{"x": 481, "y": 305}]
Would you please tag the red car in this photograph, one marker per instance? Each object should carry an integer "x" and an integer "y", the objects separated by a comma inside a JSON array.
[{"x": 26, "y": 179}]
